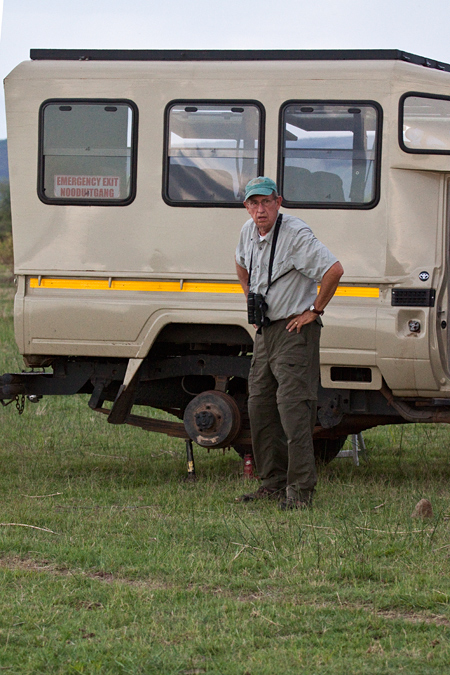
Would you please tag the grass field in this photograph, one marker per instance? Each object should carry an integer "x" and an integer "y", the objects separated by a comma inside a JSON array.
[{"x": 135, "y": 571}]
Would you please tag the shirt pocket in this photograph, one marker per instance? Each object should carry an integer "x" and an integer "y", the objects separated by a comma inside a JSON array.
[{"x": 282, "y": 267}]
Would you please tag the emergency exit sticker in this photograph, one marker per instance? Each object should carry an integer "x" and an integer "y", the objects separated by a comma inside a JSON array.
[{"x": 87, "y": 187}]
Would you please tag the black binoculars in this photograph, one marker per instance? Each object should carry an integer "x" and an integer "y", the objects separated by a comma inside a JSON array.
[{"x": 256, "y": 310}]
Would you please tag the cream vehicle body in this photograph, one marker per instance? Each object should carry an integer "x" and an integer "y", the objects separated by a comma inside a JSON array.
[{"x": 127, "y": 173}]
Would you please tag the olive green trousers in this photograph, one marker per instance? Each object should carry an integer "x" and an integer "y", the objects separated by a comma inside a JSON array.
[{"x": 282, "y": 405}]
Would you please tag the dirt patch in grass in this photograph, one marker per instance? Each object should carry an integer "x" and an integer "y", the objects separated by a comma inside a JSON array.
[
  {"x": 411, "y": 617},
  {"x": 414, "y": 617},
  {"x": 86, "y": 604},
  {"x": 30, "y": 565}
]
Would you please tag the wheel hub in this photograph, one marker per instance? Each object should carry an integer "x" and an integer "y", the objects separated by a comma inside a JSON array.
[{"x": 212, "y": 419}]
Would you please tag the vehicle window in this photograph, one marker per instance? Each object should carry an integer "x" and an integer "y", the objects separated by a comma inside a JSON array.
[
  {"x": 212, "y": 150},
  {"x": 330, "y": 154},
  {"x": 88, "y": 152},
  {"x": 425, "y": 124}
]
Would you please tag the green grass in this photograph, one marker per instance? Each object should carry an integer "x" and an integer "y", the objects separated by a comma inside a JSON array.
[{"x": 145, "y": 573}]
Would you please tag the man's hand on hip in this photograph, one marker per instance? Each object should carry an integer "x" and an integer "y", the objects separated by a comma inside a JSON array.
[{"x": 297, "y": 322}]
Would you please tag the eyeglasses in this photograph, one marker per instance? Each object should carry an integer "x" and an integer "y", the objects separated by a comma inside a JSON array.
[{"x": 265, "y": 203}]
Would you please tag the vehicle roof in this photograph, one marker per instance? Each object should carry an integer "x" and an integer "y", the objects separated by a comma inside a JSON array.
[{"x": 235, "y": 55}]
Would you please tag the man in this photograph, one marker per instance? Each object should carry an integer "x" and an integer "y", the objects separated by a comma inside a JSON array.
[{"x": 284, "y": 374}]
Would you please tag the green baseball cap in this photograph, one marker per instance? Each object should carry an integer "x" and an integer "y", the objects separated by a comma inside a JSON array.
[{"x": 260, "y": 186}]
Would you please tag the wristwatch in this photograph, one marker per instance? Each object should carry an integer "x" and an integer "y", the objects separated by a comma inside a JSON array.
[{"x": 316, "y": 311}]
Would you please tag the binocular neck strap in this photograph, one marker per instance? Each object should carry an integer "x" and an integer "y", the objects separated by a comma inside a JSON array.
[
  {"x": 272, "y": 254},
  {"x": 272, "y": 250}
]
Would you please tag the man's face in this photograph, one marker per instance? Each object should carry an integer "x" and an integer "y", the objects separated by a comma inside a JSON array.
[{"x": 264, "y": 210}]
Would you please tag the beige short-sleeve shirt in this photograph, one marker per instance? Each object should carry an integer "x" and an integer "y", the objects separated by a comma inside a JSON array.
[{"x": 300, "y": 262}]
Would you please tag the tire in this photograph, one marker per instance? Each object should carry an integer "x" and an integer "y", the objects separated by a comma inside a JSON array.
[{"x": 326, "y": 449}]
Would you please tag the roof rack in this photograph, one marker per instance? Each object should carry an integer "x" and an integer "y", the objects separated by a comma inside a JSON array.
[{"x": 235, "y": 55}]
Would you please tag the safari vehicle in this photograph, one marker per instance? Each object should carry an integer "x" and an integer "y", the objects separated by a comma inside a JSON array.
[{"x": 127, "y": 174}]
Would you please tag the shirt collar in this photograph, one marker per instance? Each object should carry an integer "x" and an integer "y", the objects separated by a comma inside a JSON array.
[{"x": 269, "y": 235}]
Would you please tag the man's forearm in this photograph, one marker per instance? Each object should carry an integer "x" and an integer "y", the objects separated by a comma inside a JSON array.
[
  {"x": 242, "y": 275},
  {"x": 328, "y": 285}
]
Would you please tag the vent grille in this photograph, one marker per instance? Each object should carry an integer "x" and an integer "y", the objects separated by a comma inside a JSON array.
[
  {"x": 348, "y": 374},
  {"x": 413, "y": 297}
]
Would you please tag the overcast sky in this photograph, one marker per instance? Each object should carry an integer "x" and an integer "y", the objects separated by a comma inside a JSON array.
[{"x": 421, "y": 28}]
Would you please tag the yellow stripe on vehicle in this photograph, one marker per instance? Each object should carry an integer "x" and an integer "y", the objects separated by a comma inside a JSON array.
[
  {"x": 148, "y": 286},
  {"x": 172, "y": 286},
  {"x": 357, "y": 292}
]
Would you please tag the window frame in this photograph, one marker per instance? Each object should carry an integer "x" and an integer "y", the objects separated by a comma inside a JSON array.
[
  {"x": 209, "y": 101},
  {"x": 59, "y": 201},
  {"x": 401, "y": 110},
  {"x": 378, "y": 153}
]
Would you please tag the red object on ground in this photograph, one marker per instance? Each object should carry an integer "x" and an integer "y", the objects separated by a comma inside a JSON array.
[{"x": 249, "y": 466}]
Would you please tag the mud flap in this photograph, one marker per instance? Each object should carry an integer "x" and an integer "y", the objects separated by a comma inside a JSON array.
[{"x": 125, "y": 396}]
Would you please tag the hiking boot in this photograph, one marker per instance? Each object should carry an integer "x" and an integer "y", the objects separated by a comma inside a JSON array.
[
  {"x": 290, "y": 504},
  {"x": 262, "y": 492},
  {"x": 301, "y": 501}
]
